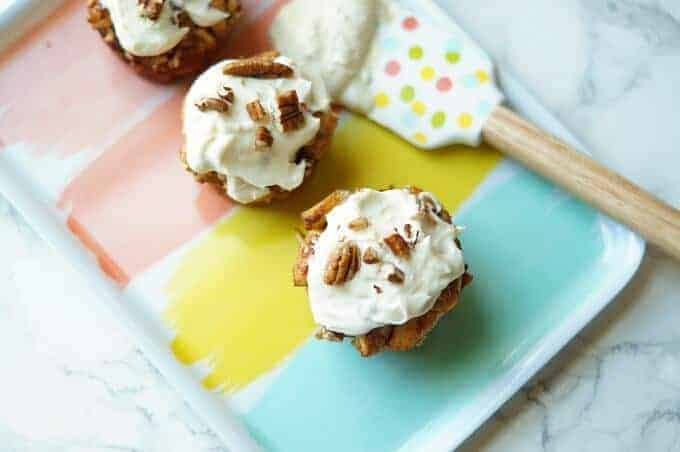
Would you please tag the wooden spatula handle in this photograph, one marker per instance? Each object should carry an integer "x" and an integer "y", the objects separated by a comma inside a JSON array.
[{"x": 656, "y": 221}]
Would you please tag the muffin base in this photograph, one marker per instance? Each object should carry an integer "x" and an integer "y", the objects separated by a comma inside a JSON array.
[
  {"x": 196, "y": 51},
  {"x": 310, "y": 153}
]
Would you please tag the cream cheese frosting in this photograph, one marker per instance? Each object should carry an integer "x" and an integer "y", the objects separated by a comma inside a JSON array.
[
  {"x": 329, "y": 39},
  {"x": 429, "y": 83},
  {"x": 369, "y": 299},
  {"x": 224, "y": 142},
  {"x": 145, "y": 37}
]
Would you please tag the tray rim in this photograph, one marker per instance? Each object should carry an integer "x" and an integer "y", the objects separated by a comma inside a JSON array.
[{"x": 47, "y": 221}]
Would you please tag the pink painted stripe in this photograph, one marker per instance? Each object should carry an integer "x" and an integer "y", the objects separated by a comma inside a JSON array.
[
  {"x": 135, "y": 203},
  {"x": 63, "y": 88}
]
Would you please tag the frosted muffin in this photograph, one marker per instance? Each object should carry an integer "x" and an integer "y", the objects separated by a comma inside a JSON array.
[
  {"x": 381, "y": 267},
  {"x": 255, "y": 128},
  {"x": 164, "y": 40}
]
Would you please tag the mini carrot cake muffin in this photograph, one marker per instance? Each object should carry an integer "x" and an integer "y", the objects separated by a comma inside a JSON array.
[
  {"x": 164, "y": 40},
  {"x": 381, "y": 267},
  {"x": 254, "y": 128}
]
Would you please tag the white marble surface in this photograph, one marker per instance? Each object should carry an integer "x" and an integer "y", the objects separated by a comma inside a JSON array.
[{"x": 610, "y": 69}]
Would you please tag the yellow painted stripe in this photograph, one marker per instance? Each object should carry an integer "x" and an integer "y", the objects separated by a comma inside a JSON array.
[{"x": 232, "y": 299}]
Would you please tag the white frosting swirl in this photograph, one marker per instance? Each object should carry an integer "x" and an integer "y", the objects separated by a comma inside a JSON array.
[
  {"x": 330, "y": 39},
  {"x": 145, "y": 37},
  {"x": 356, "y": 307},
  {"x": 224, "y": 142}
]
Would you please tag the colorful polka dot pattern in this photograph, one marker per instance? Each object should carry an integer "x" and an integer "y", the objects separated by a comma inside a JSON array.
[
  {"x": 444, "y": 84},
  {"x": 418, "y": 108},
  {"x": 438, "y": 119},
  {"x": 381, "y": 100},
  {"x": 415, "y": 52},
  {"x": 407, "y": 93},
  {"x": 427, "y": 73},
  {"x": 435, "y": 86},
  {"x": 392, "y": 68}
]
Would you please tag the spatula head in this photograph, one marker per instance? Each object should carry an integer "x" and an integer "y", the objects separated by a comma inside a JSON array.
[{"x": 422, "y": 77}]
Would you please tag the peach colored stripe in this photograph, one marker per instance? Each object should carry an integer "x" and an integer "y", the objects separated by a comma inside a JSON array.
[
  {"x": 135, "y": 204},
  {"x": 63, "y": 88}
]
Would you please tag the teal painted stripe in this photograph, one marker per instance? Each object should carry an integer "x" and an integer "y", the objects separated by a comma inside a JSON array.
[{"x": 535, "y": 253}]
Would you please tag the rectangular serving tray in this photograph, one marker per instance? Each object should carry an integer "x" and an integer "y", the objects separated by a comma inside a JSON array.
[{"x": 88, "y": 156}]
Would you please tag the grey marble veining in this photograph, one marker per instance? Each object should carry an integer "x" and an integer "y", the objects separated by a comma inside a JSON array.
[{"x": 610, "y": 69}]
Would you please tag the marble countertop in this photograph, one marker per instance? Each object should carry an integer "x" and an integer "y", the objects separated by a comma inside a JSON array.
[{"x": 610, "y": 69}]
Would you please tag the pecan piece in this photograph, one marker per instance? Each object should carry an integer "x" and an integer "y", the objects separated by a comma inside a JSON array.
[
  {"x": 408, "y": 230},
  {"x": 370, "y": 256},
  {"x": 301, "y": 267},
  {"x": 213, "y": 104},
  {"x": 268, "y": 54},
  {"x": 342, "y": 265},
  {"x": 425, "y": 216},
  {"x": 226, "y": 93},
  {"x": 292, "y": 117},
  {"x": 445, "y": 216},
  {"x": 151, "y": 9},
  {"x": 256, "y": 111},
  {"x": 374, "y": 341},
  {"x": 180, "y": 18},
  {"x": 398, "y": 245},
  {"x": 206, "y": 38},
  {"x": 259, "y": 66},
  {"x": 358, "y": 224},
  {"x": 325, "y": 334},
  {"x": 396, "y": 277},
  {"x": 263, "y": 138},
  {"x": 315, "y": 217}
]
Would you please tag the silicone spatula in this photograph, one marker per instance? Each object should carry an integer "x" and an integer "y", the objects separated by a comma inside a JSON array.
[{"x": 434, "y": 86}]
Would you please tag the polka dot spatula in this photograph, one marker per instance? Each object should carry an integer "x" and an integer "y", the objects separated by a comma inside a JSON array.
[{"x": 435, "y": 87}]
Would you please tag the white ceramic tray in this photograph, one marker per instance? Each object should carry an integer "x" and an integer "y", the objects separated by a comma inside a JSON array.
[{"x": 88, "y": 155}]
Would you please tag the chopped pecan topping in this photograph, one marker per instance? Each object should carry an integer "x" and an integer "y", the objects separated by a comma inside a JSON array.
[
  {"x": 358, "y": 224},
  {"x": 425, "y": 216},
  {"x": 226, "y": 93},
  {"x": 268, "y": 54},
  {"x": 301, "y": 267},
  {"x": 315, "y": 217},
  {"x": 180, "y": 18},
  {"x": 407, "y": 230},
  {"x": 323, "y": 333},
  {"x": 378, "y": 290},
  {"x": 444, "y": 215},
  {"x": 398, "y": 245},
  {"x": 151, "y": 9},
  {"x": 429, "y": 202},
  {"x": 213, "y": 104},
  {"x": 467, "y": 278},
  {"x": 342, "y": 265},
  {"x": 292, "y": 117},
  {"x": 263, "y": 138},
  {"x": 259, "y": 66},
  {"x": 396, "y": 277},
  {"x": 205, "y": 37},
  {"x": 374, "y": 341},
  {"x": 370, "y": 256},
  {"x": 256, "y": 111}
]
